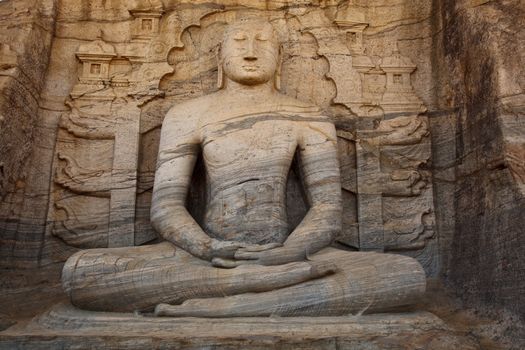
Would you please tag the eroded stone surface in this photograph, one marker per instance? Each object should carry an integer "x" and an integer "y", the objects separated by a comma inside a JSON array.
[
  {"x": 26, "y": 33},
  {"x": 477, "y": 162}
]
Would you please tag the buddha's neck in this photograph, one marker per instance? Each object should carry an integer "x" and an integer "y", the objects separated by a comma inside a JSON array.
[{"x": 249, "y": 91}]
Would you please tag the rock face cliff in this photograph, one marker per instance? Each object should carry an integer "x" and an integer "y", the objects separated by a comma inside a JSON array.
[
  {"x": 26, "y": 34},
  {"x": 479, "y": 157},
  {"x": 427, "y": 96}
]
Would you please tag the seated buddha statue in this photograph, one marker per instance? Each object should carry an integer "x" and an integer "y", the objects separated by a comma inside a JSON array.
[{"x": 243, "y": 259}]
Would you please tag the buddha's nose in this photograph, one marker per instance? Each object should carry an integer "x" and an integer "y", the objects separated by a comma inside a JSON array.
[{"x": 250, "y": 52}]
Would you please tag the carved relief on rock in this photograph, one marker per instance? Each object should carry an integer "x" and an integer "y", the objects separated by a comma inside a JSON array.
[
  {"x": 8, "y": 58},
  {"x": 399, "y": 95},
  {"x": 391, "y": 142},
  {"x": 80, "y": 180},
  {"x": 246, "y": 135},
  {"x": 353, "y": 21},
  {"x": 146, "y": 21},
  {"x": 79, "y": 208},
  {"x": 393, "y": 172},
  {"x": 81, "y": 221},
  {"x": 100, "y": 126},
  {"x": 94, "y": 78},
  {"x": 384, "y": 144},
  {"x": 114, "y": 81},
  {"x": 348, "y": 67},
  {"x": 404, "y": 130}
]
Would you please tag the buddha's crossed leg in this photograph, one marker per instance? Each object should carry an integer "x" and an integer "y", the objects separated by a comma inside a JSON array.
[
  {"x": 364, "y": 282},
  {"x": 138, "y": 278}
]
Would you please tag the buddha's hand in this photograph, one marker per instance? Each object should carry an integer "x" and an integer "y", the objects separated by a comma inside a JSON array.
[
  {"x": 275, "y": 256},
  {"x": 268, "y": 254},
  {"x": 226, "y": 250}
]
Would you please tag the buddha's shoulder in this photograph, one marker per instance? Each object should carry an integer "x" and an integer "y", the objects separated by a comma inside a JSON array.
[
  {"x": 190, "y": 109},
  {"x": 292, "y": 103},
  {"x": 306, "y": 112},
  {"x": 195, "y": 108}
]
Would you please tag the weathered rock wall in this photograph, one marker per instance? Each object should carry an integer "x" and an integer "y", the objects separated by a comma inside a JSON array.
[
  {"x": 26, "y": 32},
  {"x": 479, "y": 150}
]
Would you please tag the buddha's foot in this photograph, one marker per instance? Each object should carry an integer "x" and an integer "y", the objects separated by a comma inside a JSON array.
[{"x": 284, "y": 276}]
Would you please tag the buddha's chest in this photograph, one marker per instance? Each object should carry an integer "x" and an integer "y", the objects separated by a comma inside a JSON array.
[{"x": 240, "y": 142}]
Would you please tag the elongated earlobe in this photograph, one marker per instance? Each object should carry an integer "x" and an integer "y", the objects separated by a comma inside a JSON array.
[
  {"x": 277, "y": 79},
  {"x": 220, "y": 72}
]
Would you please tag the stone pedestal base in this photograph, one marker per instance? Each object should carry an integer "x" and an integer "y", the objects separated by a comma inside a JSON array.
[{"x": 65, "y": 327}]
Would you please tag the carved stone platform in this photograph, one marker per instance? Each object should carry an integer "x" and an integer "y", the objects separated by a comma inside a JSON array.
[{"x": 65, "y": 327}]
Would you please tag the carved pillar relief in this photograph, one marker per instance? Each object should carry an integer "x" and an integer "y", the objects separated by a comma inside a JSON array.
[
  {"x": 98, "y": 201},
  {"x": 146, "y": 23},
  {"x": 392, "y": 146}
]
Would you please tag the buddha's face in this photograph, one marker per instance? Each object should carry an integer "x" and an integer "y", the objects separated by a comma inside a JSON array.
[{"x": 250, "y": 52}]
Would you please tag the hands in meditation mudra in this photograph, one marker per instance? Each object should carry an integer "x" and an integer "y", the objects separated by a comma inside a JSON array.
[{"x": 244, "y": 261}]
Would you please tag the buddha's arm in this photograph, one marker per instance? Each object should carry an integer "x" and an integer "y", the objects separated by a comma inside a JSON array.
[
  {"x": 319, "y": 169},
  {"x": 321, "y": 178},
  {"x": 178, "y": 152}
]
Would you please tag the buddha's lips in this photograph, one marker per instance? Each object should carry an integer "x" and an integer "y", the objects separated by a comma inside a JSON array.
[{"x": 250, "y": 67}]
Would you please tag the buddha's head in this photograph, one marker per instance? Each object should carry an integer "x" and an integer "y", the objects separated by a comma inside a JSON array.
[{"x": 250, "y": 53}]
